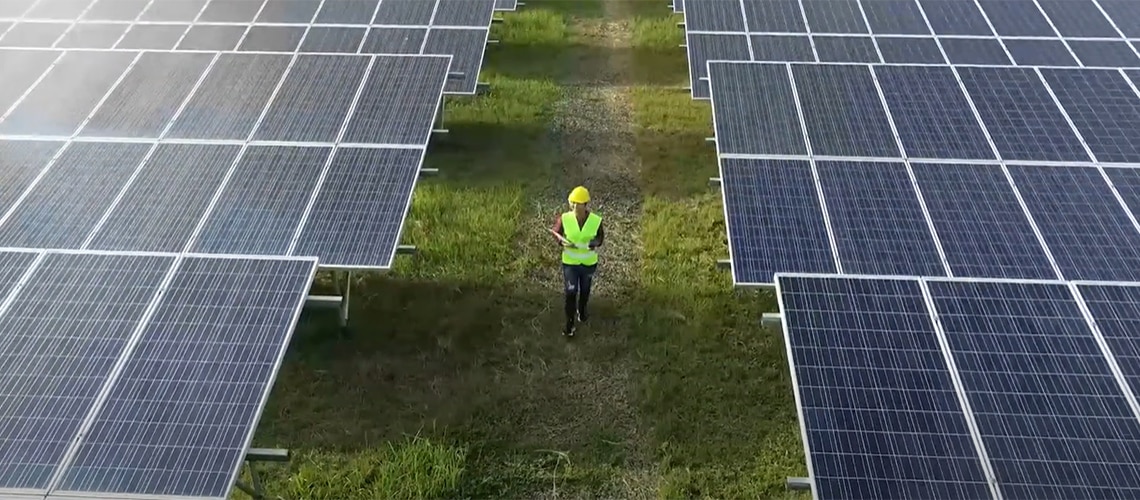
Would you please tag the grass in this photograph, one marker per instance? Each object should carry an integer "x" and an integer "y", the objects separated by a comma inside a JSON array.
[{"x": 455, "y": 382}]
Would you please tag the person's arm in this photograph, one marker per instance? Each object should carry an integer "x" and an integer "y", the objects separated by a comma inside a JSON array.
[
  {"x": 558, "y": 231},
  {"x": 600, "y": 238}
]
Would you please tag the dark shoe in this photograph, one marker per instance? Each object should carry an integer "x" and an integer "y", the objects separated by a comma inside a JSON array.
[
  {"x": 568, "y": 330},
  {"x": 583, "y": 316}
]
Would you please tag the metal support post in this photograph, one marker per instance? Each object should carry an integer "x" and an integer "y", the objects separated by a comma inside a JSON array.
[
  {"x": 482, "y": 88},
  {"x": 798, "y": 483},
  {"x": 428, "y": 172},
  {"x": 496, "y": 20},
  {"x": 252, "y": 456},
  {"x": 714, "y": 182},
  {"x": 771, "y": 319},
  {"x": 439, "y": 117},
  {"x": 723, "y": 264}
]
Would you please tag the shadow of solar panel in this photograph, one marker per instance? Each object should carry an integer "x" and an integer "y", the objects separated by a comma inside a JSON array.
[
  {"x": 33, "y": 35},
  {"x": 314, "y": 100},
  {"x": 1105, "y": 54},
  {"x": 64, "y": 331},
  {"x": 288, "y": 11},
  {"x": 1041, "y": 391},
  {"x": 750, "y": 121},
  {"x": 714, "y": 15},
  {"x": 895, "y": 17},
  {"x": 231, "y": 97},
  {"x": 846, "y": 49},
  {"x": 876, "y": 219},
  {"x": 983, "y": 229},
  {"x": 21, "y": 69},
  {"x": 263, "y": 202},
  {"x": 1089, "y": 234},
  {"x": 1020, "y": 115},
  {"x": 1077, "y": 18},
  {"x": 931, "y": 113},
  {"x": 1016, "y": 18},
  {"x": 703, "y": 48},
  {"x": 182, "y": 411},
  {"x": 773, "y": 16},
  {"x": 774, "y": 220},
  {"x": 115, "y": 10},
  {"x": 394, "y": 41},
  {"x": 148, "y": 96},
  {"x": 161, "y": 208},
  {"x": 333, "y": 39},
  {"x": 467, "y": 13},
  {"x": 879, "y": 410},
  {"x": 399, "y": 101},
  {"x": 834, "y": 16},
  {"x": 349, "y": 225},
  {"x": 346, "y": 11},
  {"x": 1103, "y": 107},
  {"x": 466, "y": 46},
  {"x": 843, "y": 112},
  {"x": 1039, "y": 52}
]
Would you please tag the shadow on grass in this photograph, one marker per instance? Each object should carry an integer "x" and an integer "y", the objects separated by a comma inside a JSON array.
[{"x": 582, "y": 64}]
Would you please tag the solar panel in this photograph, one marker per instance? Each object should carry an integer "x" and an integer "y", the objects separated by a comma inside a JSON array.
[
  {"x": 137, "y": 374},
  {"x": 755, "y": 126},
  {"x": 923, "y": 387},
  {"x": 931, "y": 113},
  {"x": 878, "y": 406},
  {"x": 843, "y": 112}
]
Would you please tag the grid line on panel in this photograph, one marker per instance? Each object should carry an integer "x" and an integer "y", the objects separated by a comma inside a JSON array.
[
  {"x": 434, "y": 11},
  {"x": 870, "y": 31},
  {"x": 71, "y": 26},
  {"x": 1056, "y": 31},
  {"x": 910, "y": 174},
  {"x": 747, "y": 38},
  {"x": 814, "y": 172},
  {"x": 811, "y": 39},
  {"x": 1106, "y": 350},
  {"x": 1065, "y": 113}
]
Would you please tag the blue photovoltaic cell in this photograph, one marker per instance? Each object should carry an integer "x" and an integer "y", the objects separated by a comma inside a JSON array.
[
  {"x": 68, "y": 201},
  {"x": 466, "y": 46},
  {"x": 775, "y": 223},
  {"x": 773, "y": 16},
  {"x": 782, "y": 48},
  {"x": 1104, "y": 54},
  {"x": 982, "y": 227},
  {"x": 877, "y": 220},
  {"x": 955, "y": 18},
  {"x": 704, "y": 48},
  {"x": 67, "y": 93},
  {"x": 932, "y": 115},
  {"x": 1104, "y": 109},
  {"x": 272, "y": 39},
  {"x": 398, "y": 102},
  {"x": 148, "y": 96},
  {"x": 1078, "y": 18},
  {"x": 714, "y": 15},
  {"x": 162, "y": 206},
  {"x": 62, "y": 335},
  {"x": 843, "y": 112},
  {"x": 846, "y": 49},
  {"x": 1125, "y": 15},
  {"x": 880, "y": 412},
  {"x": 404, "y": 13},
  {"x": 263, "y": 202},
  {"x": 974, "y": 51},
  {"x": 20, "y": 163},
  {"x": 394, "y": 41},
  {"x": 1086, "y": 229},
  {"x": 152, "y": 36},
  {"x": 1127, "y": 183},
  {"x": 212, "y": 37},
  {"x": 1116, "y": 311},
  {"x": 1022, "y": 118},
  {"x": 333, "y": 39},
  {"x": 349, "y": 225},
  {"x": 895, "y": 17},
  {"x": 1016, "y": 18},
  {"x": 1039, "y": 52},
  {"x": 910, "y": 51},
  {"x": 314, "y": 99},
  {"x": 1053, "y": 419},
  {"x": 231, "y": 97},
  {"x": 751, "y": 121},
  {"x": 180, "y": 414},
  {"x": 346, "y": 11},
  {"x": 834, "y": 16}
]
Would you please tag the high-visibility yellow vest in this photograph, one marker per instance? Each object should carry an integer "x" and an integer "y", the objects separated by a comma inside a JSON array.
[{"x": 579, "y": 252}]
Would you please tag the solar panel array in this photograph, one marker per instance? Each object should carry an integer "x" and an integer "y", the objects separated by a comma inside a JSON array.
[
  {"x": 1059, "y": 33},
  {"x": 137, "y": 373},
  {"x": 965, "y": 389}
]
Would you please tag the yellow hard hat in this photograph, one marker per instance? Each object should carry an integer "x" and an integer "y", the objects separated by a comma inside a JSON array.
[{"x": 579, "y": 195}]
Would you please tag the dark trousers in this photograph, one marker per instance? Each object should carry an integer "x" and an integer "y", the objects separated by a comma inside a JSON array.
[{"x": 577, "y": 280}]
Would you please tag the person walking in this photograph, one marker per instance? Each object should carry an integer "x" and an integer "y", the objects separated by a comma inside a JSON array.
[{"x": 580, "y": 233}]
